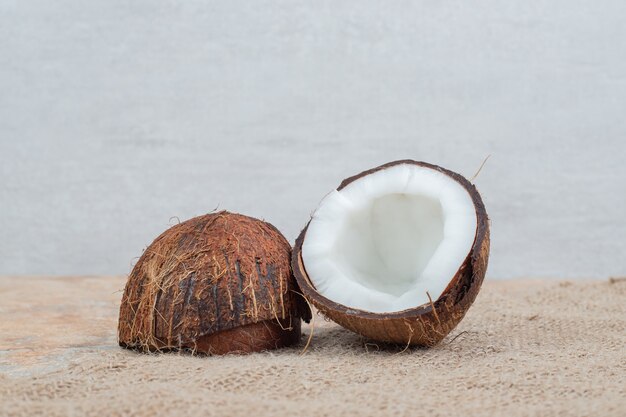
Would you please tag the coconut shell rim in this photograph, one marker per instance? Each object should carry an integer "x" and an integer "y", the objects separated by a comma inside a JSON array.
[{"x": 482, "y": 230}]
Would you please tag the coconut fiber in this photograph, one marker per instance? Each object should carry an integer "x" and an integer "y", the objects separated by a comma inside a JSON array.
[
  {"x": 215, "y": 283},
  {"x": 524, "y": 348}
]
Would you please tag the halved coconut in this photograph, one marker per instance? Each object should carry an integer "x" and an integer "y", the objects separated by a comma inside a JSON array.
[
  {"x": 215, "y": 284},
  {"x": 397, "y": 253}
]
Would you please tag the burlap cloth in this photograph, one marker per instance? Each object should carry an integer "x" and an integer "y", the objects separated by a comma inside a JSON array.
[{"x": 525, "y": 348}]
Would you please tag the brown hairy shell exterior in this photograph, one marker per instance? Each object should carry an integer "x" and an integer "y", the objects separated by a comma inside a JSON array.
[
  {"x": 424, "y": 325},
  {"x": 215, "y": 284}
]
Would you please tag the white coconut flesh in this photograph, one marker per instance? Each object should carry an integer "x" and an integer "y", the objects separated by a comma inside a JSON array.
[{"x": 388, "y": 240}]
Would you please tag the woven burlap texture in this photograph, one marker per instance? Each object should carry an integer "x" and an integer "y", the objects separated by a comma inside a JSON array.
[{"x": 525, "y": 348}]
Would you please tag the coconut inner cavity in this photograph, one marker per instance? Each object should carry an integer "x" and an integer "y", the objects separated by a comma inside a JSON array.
[{"x": 387, "y": 239}]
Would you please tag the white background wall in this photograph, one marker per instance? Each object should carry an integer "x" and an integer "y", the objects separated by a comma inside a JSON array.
[{"x": 117, "y": 115}]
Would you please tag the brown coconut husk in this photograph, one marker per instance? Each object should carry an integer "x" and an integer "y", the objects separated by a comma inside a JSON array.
[
  {"x": 425, "y": 325},
  {"x": 214, "y": 284}
]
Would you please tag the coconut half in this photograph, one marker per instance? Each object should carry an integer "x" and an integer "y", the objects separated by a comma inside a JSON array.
[
  {"x": 396, "y": 253},
  {"x": 215, "y": 284}
]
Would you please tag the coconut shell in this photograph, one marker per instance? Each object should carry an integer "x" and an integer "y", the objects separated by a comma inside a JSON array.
[
  {"x": 424, "y": 325},
  {"x": 214, "y": 284}
]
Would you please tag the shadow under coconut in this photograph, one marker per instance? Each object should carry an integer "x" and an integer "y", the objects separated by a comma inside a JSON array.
[
  {"x": 337, "y": 338},
  {"x": 330, "y": 336}
]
